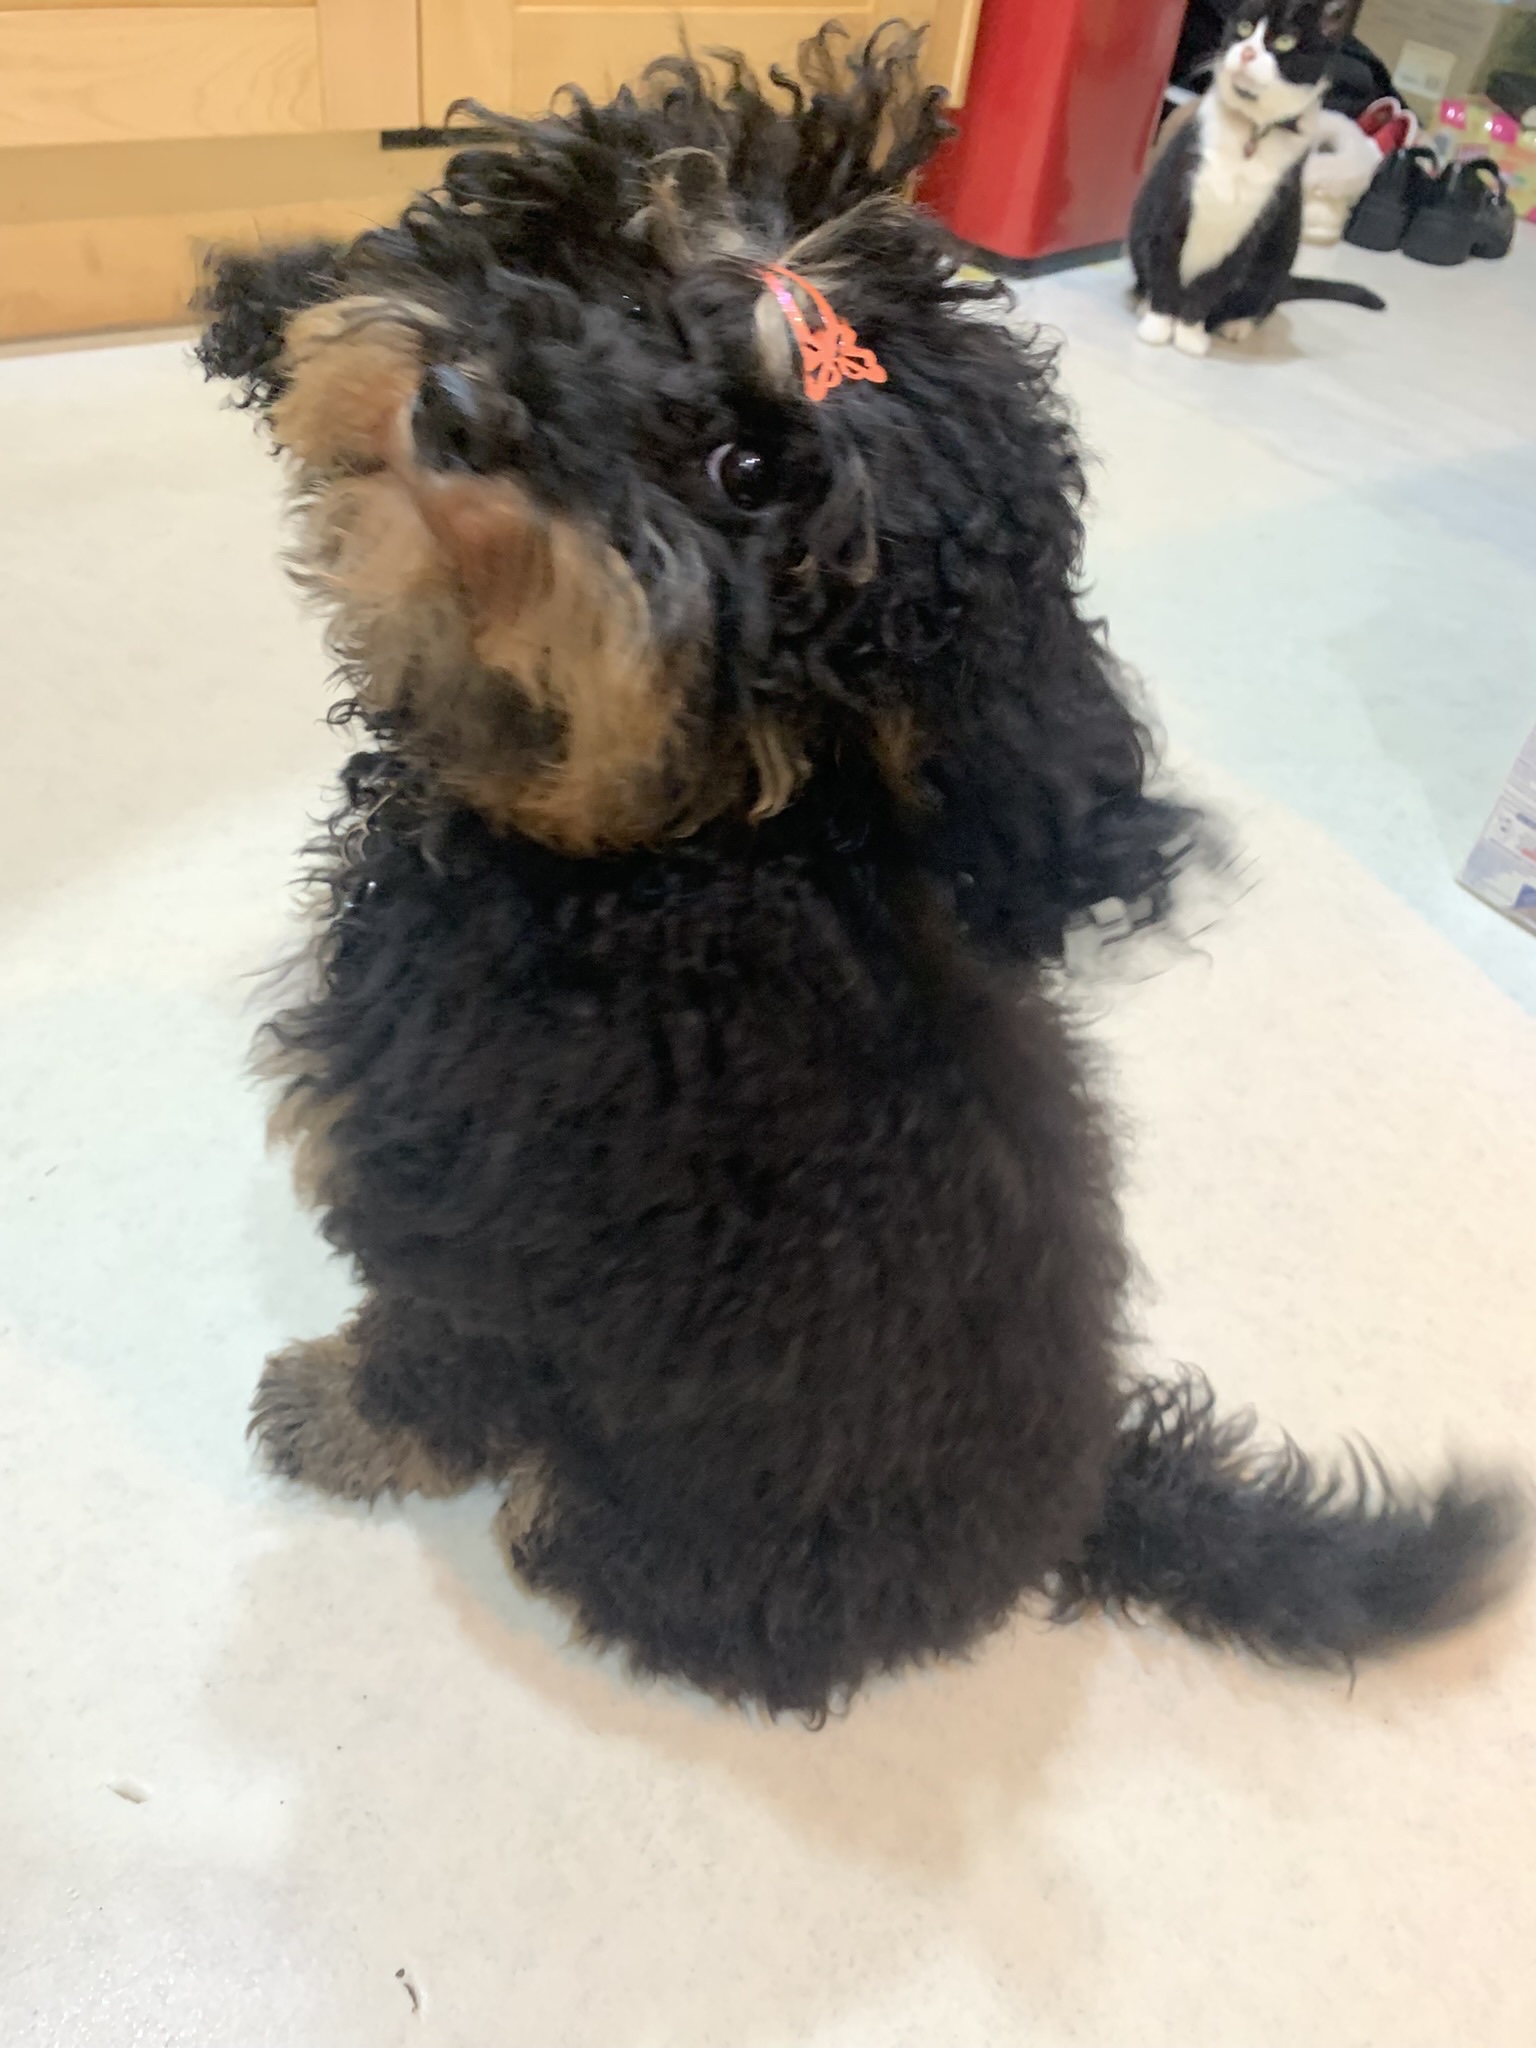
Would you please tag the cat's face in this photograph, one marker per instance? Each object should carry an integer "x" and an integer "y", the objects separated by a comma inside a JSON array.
[{"x": 1275, "y": 61}]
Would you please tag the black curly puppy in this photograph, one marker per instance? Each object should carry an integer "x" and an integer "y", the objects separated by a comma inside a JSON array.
[{"x": 683, "y": 1071}]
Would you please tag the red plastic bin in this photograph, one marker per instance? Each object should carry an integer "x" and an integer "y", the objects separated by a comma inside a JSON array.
[{"x": 1061, "y": 105}]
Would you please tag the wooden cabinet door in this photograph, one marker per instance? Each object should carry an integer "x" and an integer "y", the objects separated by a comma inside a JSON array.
[
  {"x": 149, "y": 72},
  {"x": 514, "y": 54}
]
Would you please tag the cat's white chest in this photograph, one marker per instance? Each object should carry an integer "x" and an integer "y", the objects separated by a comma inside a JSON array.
[{"x": 1229, "y": 192}]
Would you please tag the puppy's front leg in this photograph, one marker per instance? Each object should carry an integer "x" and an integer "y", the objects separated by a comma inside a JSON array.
[{"x": 307, "y": 1422}]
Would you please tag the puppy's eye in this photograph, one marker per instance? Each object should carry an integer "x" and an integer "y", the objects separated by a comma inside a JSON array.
[
  {"x": 1283, "y": 44},
  {"x": 743, "y": 475}
]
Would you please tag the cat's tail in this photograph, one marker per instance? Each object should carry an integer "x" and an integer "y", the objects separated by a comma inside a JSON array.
[
  {"x": 1332, "y": 288},
  {"x": 1266, "y": 1550}
]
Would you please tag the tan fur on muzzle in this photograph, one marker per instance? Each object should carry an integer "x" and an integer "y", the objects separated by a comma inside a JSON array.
[{"x": 454, "y": 594}]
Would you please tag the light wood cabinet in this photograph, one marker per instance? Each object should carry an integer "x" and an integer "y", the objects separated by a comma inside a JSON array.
[
  {"x": 514, "y": 55},
  {"x": 95, "y": 74},
  {"x": 129, "y": 133},
  {"x": 98, "y": 74}
]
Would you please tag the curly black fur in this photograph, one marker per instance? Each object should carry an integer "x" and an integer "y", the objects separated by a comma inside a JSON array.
[
  {"x": 724, "y": 1178},
  {"x": 249, "y": 300},
  {"x": 1261, "y": 1547},
  {"x": 615, "y": 377},
  {"x": 748, "y": 1181}
]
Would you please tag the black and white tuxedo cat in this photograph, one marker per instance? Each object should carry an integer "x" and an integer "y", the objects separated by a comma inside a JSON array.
[{"x": 1217, "y": 222}]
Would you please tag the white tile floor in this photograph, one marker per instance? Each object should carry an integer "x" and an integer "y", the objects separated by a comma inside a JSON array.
[
  {"x": 1321, "y": 548},
  {"x": 260, "y": 1756}
]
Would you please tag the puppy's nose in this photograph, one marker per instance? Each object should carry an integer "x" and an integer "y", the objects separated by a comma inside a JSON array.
[{"x": 450, "y": 427}]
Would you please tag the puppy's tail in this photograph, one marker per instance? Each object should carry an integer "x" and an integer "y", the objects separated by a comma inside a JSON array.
[{"x": 1267, "y": 1550}]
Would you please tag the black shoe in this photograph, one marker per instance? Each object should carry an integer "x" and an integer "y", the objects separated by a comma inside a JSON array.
[
  {"x": 1394, "y": 197},
  {"x": 1465, "y": 215}
]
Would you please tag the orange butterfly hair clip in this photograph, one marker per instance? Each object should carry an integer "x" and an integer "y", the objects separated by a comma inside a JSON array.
[{"x": 829, "y": 353}]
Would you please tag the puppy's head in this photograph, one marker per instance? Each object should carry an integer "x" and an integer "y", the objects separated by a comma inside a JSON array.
[
  {"x": 587, "y": 539},
  {"x": 661, "y": 463}
]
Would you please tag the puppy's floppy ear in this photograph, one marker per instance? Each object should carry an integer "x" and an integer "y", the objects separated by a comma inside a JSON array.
[
  {"x": 249, "y": 296},
  {"x": 1042, "y": 815}
]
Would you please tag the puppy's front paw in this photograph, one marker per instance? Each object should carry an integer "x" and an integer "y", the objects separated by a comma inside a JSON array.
[{"x": 306, "y": 1422}]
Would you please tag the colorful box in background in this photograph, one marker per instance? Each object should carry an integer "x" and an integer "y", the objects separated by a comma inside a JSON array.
[
  {"x": 1445, "y": 49},
  {"x": 1502, "y": 866},
  {"x": 1476, "y": 127}
]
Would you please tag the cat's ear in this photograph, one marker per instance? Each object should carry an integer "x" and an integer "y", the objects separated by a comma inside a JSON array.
[
  {"x": 1335, "y": 18},
  {"x": 248, "y": 297}
]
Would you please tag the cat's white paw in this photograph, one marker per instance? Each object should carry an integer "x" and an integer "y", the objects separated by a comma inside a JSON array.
[
  {"x": 1236, "y": 330},
  {"x": 1155, "y": 329},
  {"x": 1190, "y": 339}
]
